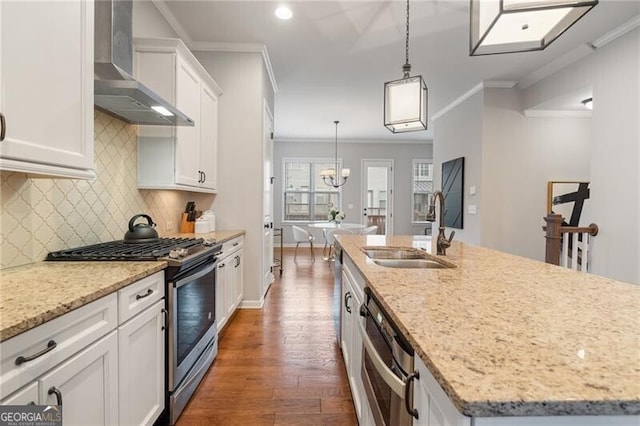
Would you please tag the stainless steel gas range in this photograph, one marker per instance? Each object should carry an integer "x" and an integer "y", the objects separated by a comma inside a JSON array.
[{"x": 190, "y": 280}]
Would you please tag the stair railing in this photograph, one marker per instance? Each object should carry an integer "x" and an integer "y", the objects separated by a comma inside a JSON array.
[{"x": 568, "y": 246}]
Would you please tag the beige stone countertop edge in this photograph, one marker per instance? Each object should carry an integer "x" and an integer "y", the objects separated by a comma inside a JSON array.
[{"x": 515, "y": 389}]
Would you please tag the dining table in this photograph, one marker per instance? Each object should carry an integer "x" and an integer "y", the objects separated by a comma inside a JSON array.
[{"x": 330, "y": 225}]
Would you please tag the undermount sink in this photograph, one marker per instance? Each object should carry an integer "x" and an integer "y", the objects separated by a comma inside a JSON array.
[
  {"x": 404, "y": 257},
  {"x": 393, "y": 253},
  {"x": 411, "y": 263}
]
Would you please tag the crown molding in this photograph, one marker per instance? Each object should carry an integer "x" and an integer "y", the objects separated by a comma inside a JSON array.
[
  {"x": 548, "y": 113},
  {"x": 632, "y": 24},
  {"x": 166, "y": 13},
  {"x": 164, "y": 10},
  {"x": 488, "y": 84}
]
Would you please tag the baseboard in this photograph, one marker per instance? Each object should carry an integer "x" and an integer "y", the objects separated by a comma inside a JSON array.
[{"x": 251, "y": 304}]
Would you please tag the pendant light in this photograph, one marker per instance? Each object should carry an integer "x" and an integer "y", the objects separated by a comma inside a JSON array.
[
  {"x": 405, "y": 100},
  {"x": 508, "y": 26},
  {"x": 329, "y": 176}
]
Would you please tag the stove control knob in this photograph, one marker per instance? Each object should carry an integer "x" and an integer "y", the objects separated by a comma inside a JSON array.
[
  {"x": 174, "y": 254},
  {"x": 183, "y": 252}
]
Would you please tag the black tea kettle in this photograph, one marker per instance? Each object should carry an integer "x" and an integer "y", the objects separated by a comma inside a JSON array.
[{"x": 141, "y": 232}]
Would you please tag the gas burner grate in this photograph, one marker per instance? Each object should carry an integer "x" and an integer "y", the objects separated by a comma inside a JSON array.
[{"x": 119, "y": 250}]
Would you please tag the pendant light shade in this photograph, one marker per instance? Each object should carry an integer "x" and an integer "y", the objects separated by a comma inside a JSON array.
[
  {"x": 405, "y": 100},
  {"x": 508, "y": 26},
  {"x": 405, "y": 104}
]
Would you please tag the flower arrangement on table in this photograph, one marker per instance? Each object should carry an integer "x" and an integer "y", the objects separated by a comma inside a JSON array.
[{"x": 336, "y": 216}]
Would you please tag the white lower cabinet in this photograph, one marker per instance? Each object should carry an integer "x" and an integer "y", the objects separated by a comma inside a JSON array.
[
  {"x": 86, "y": 385},
  {"x": 229, "y": 281},
  {"x": 351, "y": 340},
  {"x": 101, "y": 369},
  {"x": 141, "y": 370}
]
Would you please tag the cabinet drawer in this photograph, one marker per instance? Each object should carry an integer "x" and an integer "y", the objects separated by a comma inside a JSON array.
[
  {"x": 231, "y": 246},
  {"x": 25, "y": 396},
  {"x": 69, "y": 333},
  {"x": 139, "y": 296}
]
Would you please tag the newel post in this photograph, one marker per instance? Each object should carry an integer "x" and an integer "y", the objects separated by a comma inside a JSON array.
[{"x": 553, "y": 236}]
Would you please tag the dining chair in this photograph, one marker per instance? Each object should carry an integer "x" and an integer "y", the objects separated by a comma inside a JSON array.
[
  {"x": 331, "y": 239},
  {"x": 369, "y": 230},
  {"x": 301, "y": 235}
]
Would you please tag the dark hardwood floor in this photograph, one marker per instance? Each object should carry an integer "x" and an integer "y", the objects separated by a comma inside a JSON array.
[{"x": 279, "y": 365}]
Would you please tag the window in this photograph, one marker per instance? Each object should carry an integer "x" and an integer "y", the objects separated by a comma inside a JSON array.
[
  {"x": 306, "y": 197},
  {"x": 422, "y": 189}
]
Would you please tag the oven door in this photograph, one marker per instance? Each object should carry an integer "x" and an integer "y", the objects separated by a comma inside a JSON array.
[
  {"x": 384, "y": 367},
  {"x": 192, "y": 318}
]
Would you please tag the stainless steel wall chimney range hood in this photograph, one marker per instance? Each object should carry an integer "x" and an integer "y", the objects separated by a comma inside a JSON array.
[{"x": 115, "y": 90}]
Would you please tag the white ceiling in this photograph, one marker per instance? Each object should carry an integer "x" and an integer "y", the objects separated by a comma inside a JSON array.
[{"x": 332, "y": 58}]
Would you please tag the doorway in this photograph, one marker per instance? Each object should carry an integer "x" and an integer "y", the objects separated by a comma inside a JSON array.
[{"x": 377, "y": 195}]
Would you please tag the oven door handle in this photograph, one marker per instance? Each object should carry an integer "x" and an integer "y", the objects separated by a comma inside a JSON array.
[
  {"x": 195, "y": 276},
  {"x": 394, "y": 382}
]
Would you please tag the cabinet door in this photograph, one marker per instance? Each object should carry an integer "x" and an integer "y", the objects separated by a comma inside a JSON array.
[
  {"x": 346, "y": 326},
  {"x": 238, "y": 285},
  {"x": 87, "y": 383},
  {"x": 46, "y": 75},
  {"x": 141, "y": 367},
  {"x": 221, "y": 310},
  {"x": 188, "y": 138},
  {"x": 355, "y": 376},
  {"x": 208, "y": 138}
]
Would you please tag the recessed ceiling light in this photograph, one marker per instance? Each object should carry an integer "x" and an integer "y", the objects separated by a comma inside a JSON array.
[
  {"x": 588, "y": 103},
  {"x": 283, "y": 12}
]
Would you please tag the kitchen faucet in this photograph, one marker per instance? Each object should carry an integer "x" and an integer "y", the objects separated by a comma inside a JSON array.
[{"x": 442, "y": 243}]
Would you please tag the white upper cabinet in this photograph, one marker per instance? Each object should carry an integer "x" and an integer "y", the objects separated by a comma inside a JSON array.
[
  {"x": 46, "y": 81},
  {"x": 179, "y": 157}
]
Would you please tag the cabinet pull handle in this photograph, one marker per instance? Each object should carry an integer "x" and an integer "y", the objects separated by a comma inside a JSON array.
[
  {"x": 57, "y": 392},
  {"x": 221, "y": 265},
  {"x": 347, "y": 296},
  {"x": 165, "y": 319},
  {"x": 236, "y": 243},
  {"x": 147, "y": 294},
  {"x": 237, "y": 261},
  {"x": 3, "y": 127},
  {"x": 407, "y": 393},
  {"x": 204, "y": 177},
  {"x": 50, "y": 346}
]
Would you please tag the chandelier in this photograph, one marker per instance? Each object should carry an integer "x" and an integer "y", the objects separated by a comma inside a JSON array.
[
  {"x": 405, "y": 100},
  {"x": 508, "y": 26},
  {"x": 329, "y": 176}
]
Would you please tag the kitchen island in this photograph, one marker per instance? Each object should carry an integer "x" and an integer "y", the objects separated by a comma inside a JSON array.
[{"x": 509, "y": 336}]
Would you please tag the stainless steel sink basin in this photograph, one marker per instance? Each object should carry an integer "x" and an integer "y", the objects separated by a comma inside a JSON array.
[
  {"x": 411, "y": 263},
  {"x": 393, "y": 253}
]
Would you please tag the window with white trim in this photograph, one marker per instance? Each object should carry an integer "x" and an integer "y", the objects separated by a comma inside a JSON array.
[
  {"x": 422, "y": 184},
  {"x": 306, "y": 197}
]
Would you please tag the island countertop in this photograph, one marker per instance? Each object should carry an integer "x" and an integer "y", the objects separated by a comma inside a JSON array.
[{"x": 509, "y": 336}]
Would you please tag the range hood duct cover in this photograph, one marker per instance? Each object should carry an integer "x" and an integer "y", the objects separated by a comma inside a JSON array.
[{"x": 115, "y": 90}]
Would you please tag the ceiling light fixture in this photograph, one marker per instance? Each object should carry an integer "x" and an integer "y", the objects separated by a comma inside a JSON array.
[
  {"x": 329, "y": 176},
  {"x": 405, "y": 100},
  {"x": 284, "y": 12},
  {"x": 509, "y": 26},
  {"x": 588, "y": 103}
]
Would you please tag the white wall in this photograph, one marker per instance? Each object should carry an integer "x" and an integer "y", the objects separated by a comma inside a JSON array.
[
  {"x": 613, "y": 72},
  {"x": 238, "y": 204},
  {"x": 521, "y": 154},
  {"x": 352, "y": 155},
  {"x": 458, "y": 133}
]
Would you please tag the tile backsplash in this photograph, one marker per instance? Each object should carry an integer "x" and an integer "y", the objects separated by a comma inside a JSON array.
[{"x": 41, "y": 215}]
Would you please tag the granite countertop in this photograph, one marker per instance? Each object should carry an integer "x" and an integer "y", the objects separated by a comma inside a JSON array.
[
  {"x": 33, "y": 294},
  {"x": 509, "y": 336}
]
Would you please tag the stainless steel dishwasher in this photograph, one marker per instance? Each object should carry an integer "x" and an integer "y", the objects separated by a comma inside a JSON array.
[{"x": 387, "y": 367}]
